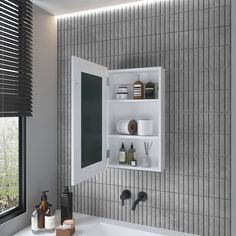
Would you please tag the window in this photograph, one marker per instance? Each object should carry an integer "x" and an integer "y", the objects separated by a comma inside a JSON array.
[
  {"x": 12, "y": 167},
  {"x": 15, "y": 102}
]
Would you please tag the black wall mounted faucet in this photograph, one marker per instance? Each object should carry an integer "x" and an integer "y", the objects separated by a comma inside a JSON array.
[
  {"x": 142, "y": 196},
  {"x": 126, "y": 194}
]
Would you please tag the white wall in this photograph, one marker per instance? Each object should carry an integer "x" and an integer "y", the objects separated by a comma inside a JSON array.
[
  {"x": 233, "y": 118},
  {"x": 42, "y": 127}
]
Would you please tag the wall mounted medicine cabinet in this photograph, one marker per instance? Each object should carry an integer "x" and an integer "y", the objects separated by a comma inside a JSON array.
[{"x": 95, "y": 112}]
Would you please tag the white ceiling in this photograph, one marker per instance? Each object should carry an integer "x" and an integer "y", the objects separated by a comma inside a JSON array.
[{"x": 61, "y": 7}]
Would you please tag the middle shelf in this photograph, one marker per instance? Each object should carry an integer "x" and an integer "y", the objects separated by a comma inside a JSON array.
[
  {"x": 134, "y": 101},
  {"x": 123, "y": 136}
]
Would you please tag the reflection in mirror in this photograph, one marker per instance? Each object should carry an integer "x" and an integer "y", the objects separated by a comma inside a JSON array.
[{"x": 91, "y": 106}]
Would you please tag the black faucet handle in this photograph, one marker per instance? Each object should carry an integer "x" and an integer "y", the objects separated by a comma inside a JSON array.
[
  {"x": 126, "y": 194},
  {"x": 142, "y": 196}
]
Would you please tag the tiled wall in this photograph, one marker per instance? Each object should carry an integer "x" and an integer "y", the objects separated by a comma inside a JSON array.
[{"x": 191, "y": 40}]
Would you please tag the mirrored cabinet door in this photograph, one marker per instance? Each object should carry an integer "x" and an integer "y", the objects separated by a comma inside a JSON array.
[{"x": 88, "y": 117}]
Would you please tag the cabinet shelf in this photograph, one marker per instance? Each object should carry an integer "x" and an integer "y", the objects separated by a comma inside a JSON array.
[
  {"x": 135, "y": 101},
  {"x": 122, "y": 136},
  {"x": 138, "y": 167}
]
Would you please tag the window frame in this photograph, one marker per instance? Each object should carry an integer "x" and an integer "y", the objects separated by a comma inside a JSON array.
[{"x": 8, "y": 215}]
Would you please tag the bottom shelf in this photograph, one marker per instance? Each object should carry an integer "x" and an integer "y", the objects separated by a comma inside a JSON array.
[{"x": 138, "y": 167}]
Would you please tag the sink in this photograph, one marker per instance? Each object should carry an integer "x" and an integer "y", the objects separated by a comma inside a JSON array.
[
  {"x": 87, "y": 225},
  {"x": 104, "y": 229},
  {"x": 107, "y": 227}
]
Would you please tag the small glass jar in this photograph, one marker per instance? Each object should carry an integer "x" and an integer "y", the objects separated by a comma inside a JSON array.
[
  {"x": 147, "y": 162},
  {"x": 150, "y": 90}
]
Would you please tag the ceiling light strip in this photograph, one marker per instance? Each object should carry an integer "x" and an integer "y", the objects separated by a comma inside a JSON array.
[{"x": 103, "y": 9}]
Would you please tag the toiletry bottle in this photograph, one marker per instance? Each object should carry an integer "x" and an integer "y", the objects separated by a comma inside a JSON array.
[
  {"x": 150, "y": 90},
  {"x": 157, "y": 94},
  {"x": 50, "y": 221},
  {"x": 134, "y": 161},
  {"x": 34, "y": 220},
  {"x": 43, "y": 207},
  {"x": 138, "y": 88},
  {"x": 122, "y": 155},
  {"x": 131, "y": 154},
  {"x": 66, "y": 205}
]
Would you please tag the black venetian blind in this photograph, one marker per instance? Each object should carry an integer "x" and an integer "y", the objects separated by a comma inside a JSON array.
[{"x": 15, "y": 58}]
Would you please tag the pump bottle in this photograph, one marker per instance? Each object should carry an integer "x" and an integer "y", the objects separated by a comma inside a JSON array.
[
  {"x": 43, "y": 207},
  {"x": 66, "y": 205}
]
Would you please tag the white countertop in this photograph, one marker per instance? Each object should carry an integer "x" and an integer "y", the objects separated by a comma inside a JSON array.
[{"x": 84, "y": 223}]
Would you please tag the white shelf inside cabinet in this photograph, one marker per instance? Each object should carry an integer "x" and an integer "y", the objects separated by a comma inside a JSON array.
[
  {"x": 135, "y": 101},
  {"x": 128, "y": 167},
  {"x": 121, "y": 136}
]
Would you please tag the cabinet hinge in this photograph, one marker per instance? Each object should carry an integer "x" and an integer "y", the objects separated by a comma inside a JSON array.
[
  {"x": 108, "y": 81},
  {"x": 108, "y": 153}
]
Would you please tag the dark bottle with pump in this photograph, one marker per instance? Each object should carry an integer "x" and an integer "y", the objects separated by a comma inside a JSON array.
[
  {"x": 131, "y": 154},
  {"x": 123, "y": 155},
  {"x": 66, "y": 205},
  {"x": 43, "y": 207}
]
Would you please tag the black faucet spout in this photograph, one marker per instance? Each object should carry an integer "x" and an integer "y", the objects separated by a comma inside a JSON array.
[
  {"x": 136, "y": 202},
  {"x": 142, "y": 196}
]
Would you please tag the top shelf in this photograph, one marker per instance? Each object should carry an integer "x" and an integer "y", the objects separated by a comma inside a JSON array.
[
  {"x": 137, "y": 70},
  {"x": 135, "y": 101}
]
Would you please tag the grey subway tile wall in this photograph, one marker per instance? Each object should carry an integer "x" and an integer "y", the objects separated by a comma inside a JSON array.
[{"x": 191, "y": 40}]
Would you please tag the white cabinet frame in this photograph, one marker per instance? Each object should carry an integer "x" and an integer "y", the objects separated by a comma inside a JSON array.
[{"x": 112, "y": 110}]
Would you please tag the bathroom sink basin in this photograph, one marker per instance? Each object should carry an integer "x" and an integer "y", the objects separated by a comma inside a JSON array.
[
  {"x": 96, "y": 226},
  {"x": 118, "y": 228},
  {"x": 104, "y": 229}
]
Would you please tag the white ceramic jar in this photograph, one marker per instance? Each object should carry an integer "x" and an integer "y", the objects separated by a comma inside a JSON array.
[
  {"x": 145, "y": 127},
  {"x": 122, "y": 93}
]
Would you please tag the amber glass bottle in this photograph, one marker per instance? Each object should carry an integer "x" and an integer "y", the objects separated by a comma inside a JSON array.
[
  {"x": 43, "y": 207},
  {"x": 138, "y": 89}
]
